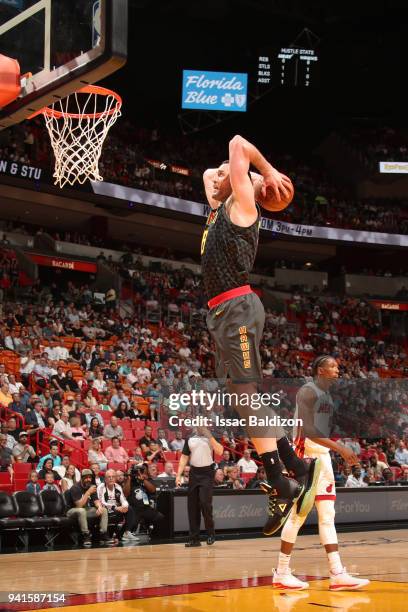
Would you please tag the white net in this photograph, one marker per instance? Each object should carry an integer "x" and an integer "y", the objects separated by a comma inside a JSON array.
[{"x": 78, "y": 126}]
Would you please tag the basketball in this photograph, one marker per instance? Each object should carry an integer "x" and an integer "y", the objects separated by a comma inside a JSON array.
[{"x": 269, "y": 201}]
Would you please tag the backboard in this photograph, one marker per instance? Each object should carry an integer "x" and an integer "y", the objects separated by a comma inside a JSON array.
[{"x": 64, "y": 44}]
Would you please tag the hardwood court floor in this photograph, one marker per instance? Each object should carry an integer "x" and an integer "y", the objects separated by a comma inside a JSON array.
[{"x": 233, "y": 575}]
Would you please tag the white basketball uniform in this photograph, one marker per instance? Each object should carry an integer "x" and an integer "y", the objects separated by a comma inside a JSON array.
[{"x": 304, "y": 447}]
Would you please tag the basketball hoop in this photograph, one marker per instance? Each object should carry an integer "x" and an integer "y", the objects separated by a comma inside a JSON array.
[{"x": 78, "y": 126}]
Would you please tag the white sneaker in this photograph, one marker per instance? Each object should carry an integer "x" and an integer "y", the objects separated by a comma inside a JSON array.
[
  {"x": 345, "y": 582},
  {"x": 129, "y": 537},
  {"x": 288, "y": 581}
]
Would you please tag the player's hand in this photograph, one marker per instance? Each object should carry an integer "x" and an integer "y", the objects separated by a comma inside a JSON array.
[
  {"x": 178, "y": 481},
  {"x": 276, "y": 184},
  {"x": 349, "y": 456}
]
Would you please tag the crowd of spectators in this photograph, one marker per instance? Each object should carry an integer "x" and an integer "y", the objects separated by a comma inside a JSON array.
[
  {"x": 75, "y": 378},
  {"x": 172, "y": 164},
  {"x": 378, "y": 144}
]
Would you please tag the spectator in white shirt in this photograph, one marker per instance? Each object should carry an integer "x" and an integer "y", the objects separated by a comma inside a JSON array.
[
  {"x": 56, "y": 352},
  {"x": 162, "y": 440},
  {"x": 184, "y": 351},
  {"x": 14, "y": 386},
  {"x": 246, "y": 464},
  {"x": 61, "y": 469},
  {"x": 144, "y": 374},
  {"x": 62, "y": 427},
  {"x": 100, "y": 384},
  {"x": 168, "y": 471},
  {"x": 133, "y": 376},
  {"x": 41, "y": 370},
  {"x": 355, "y": 480},
  {"x": 401, "y": 455},
  {"x": 178, "y": 443}
]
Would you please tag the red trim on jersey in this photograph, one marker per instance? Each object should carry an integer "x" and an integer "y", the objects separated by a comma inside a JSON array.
[
  {"x": 321, "y": 497},
  {"x": 300, "y": 447},
  {"x": 228, "y": 295}
]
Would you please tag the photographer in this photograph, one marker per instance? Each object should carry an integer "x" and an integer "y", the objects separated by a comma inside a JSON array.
[
  {"x": 140, "y": 491},
  {"x": 111, "y": 496}
]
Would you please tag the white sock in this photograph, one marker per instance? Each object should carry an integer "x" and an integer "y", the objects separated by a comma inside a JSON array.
[
  {"x": 283, "y": 563},
  {"x": 335, "y": 563}
]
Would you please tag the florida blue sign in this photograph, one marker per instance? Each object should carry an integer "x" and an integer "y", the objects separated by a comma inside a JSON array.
[{"x": 220, "y": 91}]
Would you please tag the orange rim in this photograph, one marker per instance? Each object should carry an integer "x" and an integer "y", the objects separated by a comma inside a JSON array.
[{"x": 89, "y": 89}]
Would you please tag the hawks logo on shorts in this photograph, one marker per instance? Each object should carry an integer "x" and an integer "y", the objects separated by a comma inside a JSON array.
[{"x": 244, "y": 344}]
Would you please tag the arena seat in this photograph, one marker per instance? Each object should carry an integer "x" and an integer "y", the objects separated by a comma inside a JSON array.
[
  {"x": 9, "y": 521},
  {"x": 22, "y": 469},
  {"x": 247, "y": 477},
  {"x": 126, "y": 424},
  {"x": 170, "y": 455},
  {"x": 112, "y": 465},
  {"x": 396, "y": 472},
  {"x": 129, "y": 444},
  {"x": 5, "y": 478}
]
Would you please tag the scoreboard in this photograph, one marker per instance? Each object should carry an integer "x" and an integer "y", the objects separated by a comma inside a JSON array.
[{"x": 287, "y": 67}]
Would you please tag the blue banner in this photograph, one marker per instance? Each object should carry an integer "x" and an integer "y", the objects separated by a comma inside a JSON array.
[
  {"x": 220, "y": 91},
  {"x": 17, "y": 4}
]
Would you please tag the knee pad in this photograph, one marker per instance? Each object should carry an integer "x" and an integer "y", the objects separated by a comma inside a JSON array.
[
  {"x": 291, "y": 527},
  {"x": 326, "y": 514}
]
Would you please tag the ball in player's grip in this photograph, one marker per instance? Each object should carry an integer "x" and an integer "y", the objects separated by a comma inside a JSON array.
[{"x": 269, "y": 202}]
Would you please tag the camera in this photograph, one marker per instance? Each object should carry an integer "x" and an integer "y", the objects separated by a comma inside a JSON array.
[{"x": 137, "y": 470}]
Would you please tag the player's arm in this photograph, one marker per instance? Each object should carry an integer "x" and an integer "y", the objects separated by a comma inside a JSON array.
[
  {"x": 241, "y": 155},
  {"x": 306, "y": 401},
  {"x": 208, "y": 177}
]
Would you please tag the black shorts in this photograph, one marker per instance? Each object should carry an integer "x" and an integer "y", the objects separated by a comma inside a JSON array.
[{"x": 237, "y": 327}]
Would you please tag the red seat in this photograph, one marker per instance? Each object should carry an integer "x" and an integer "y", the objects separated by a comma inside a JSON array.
[
  {"x": 112, "y": 465},
  {"x": 125, "y": 424},
  {"x": 7, "y": 488},
  {"x": 5, "y": 478},
  {"x": 129, "y": 445},
  {"x": 396, "y": 472},
  {"x": 247, "y": 477},
  {"x": 22, "y": 468},
  {"x": 77, "y": 457},
  {"x": 87, "y": 444},
  {"x": 72, "y": 444},
  {"x": 170, "y": 455},
  {"x": 138, "y": 425}
]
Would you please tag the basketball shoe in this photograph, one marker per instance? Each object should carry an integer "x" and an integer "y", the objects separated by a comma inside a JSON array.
[
  {"x": 288, "y": 581},
  {"x": 345, "y": 582},
  {"x": 309, "y": 481},
  {"x": 282, "y": 494}
]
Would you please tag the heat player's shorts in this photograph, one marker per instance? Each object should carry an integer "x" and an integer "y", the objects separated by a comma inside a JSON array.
[
  {"x": 237, "y": 327},
  {"x": 326, "y": 488}
]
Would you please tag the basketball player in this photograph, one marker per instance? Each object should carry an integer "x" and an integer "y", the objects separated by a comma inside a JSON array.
[
  {"x": 236, "y": 316},
  {"x": 314, "y": 405}
]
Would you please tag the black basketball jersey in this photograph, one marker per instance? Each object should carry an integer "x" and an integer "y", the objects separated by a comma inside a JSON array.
[{"x": 227, "y": 252}]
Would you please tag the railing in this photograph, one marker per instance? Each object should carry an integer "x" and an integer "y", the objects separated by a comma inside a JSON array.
[{"x": 43, "y": 438}]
